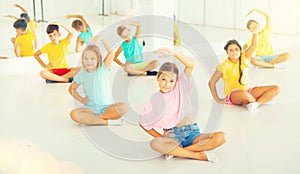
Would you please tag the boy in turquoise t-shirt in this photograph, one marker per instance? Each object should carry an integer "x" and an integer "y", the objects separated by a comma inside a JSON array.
[
  {"x": 133, "y": 52},
  {"x": 81, "y": 25}
]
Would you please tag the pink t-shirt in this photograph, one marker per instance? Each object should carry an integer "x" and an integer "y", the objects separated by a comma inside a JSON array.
[{"x": 165, "y": 110}]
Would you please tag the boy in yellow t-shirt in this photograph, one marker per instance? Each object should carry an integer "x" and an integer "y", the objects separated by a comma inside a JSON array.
[
  {"x": 23, "y": 45},
  {"x": 31, "y": 24},
  {"x": 265, "y": 56},
  {"x": 57, "y": 68}
]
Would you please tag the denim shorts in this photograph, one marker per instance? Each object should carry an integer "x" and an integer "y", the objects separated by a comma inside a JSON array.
[
  {"x": 268, "y": 58},
  {"x": 185, "y": 135}
]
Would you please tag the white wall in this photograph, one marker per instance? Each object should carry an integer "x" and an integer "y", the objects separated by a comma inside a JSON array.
[{"x": 285, "y": 15}]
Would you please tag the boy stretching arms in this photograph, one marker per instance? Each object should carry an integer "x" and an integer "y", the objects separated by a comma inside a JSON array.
[
  {"x": 135, "y": 64},
  {"x": 23, "y": 45},
  {"x": 57, "y": 50}
]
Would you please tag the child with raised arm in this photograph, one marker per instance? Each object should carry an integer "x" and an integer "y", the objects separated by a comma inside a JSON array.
[
  {"x": 31, "y": 24},
  {"x": 57, "y": 68},
  {"x": 234, "y": 71},
  {"x": 264, "y": 56},
  {"x": 170, "y": 109},
  {"x": 98, "y": 105},
  {"x": 23, "y": 45},
  {"x": 133, "y": 52},
  {"x": 81, "y": 25}
]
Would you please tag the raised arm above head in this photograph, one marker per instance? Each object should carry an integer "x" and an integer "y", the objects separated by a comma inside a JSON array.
[
  {"x": 138, "y": 28},
  {"x": 252, "y": 48},
  {"x": 186, "y": 61},
  {"x": 21, "y": 8},
  {"x": 69, "y": 30},
  {"x": 267, "y": 16},
  {"x": 79, "y": 17}
]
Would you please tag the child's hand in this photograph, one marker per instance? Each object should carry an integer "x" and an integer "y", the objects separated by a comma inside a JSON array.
[
  {"x": 9, "y": 16},
  {"x": 49, "y": 66},
  {"x": 17, "y": 5},
  {"x": 222, "y": 101},
  {"x": 251, "y": 11},
  {"x": 165, "y": 51},
  {"x": 169, "y": 133},
  {"x": 84, "y": 100}
]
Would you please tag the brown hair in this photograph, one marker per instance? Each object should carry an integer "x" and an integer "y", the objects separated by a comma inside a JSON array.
[
  {"x": 120, "y": 29},
  {"x": 96, "y": 49},
  {"x": 170, "y": 67},
  {"x": 235, "y": 42},
  {"x": 250, "y": 22},
  {"x": 76, "y": 24}
]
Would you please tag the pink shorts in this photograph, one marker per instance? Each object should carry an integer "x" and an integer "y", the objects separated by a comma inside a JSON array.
[{"x": 228, "y": 99}]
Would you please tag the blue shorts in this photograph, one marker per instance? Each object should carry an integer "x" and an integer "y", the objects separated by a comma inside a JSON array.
[
  {"x": 97, "y": 109},
  {"x": 185, "y": 135},
  {"x": 268, "y": 58}
]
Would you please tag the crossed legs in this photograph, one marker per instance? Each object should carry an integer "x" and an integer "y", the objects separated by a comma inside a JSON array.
[
  {"x": 86, "y": 116},
  {"x": 203, "y": 142}
]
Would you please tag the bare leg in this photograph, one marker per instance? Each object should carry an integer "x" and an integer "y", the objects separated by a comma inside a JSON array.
[
  {"x": 114, "y": 111},
  {"x": 153, "y": 64},
  {"x": 264, "y": 94},
  {"x": 206, "y": 142},
  {"x": 261, "y": 63},
  {"x": 129, "y": 69},
  {"x": 86, "y": 116},
  {"x": 72, "y": 73},
  {"x": 46, "y": 74},
  {"x": 241, "y": 97},
  {"x": 171, "y": 147},
  {"x": 282, "y": 58}
]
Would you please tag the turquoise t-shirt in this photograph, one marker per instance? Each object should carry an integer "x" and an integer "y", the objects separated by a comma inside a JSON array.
[
  {"x": 133, "y": 51},
  {"x": 85, "y": 36},
  {"x": 96, "y": 86}
]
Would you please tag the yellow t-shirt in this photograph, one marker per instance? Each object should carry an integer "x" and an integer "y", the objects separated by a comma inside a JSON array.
[
  {"x": 57, "y": 54},
  {"x": 264, "y": 47},
  {"x": 32, "y": 26},
  {"x": 231, "y": 74},
  {"x": 26, "y": 44}
]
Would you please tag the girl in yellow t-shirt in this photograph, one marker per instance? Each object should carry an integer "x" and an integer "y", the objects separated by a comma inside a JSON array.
[
  {"x": 234, "y": 72},
  {"x": 264, "y": 56}
]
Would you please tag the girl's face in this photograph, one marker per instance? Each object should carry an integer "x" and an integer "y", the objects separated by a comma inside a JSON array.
[
  {"x": 90, "y": 60},
  {"x": 253, "y": 27},
  {"x": 166, "y": 81},
  {"x": 233, "y": 52},
  {"x": 126, "y": 33}
]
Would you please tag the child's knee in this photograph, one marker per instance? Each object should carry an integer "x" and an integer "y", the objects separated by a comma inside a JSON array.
[
  {"x": 123, "y": 107},
  {"x": 155, "y": 63},
  {"x": 248, "y": 98},
  {"x": 155, "y": 144},
  {"x": 220, "y": 138},
  {"x": 276, "y": 89},
  {"x": 73, "y": 115}
]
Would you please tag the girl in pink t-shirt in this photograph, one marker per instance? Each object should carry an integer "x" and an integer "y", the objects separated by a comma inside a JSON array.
[{"x": 170, "y": 109}]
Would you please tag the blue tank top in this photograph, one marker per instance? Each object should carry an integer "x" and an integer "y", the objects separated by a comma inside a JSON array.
[
  {"x": 85, "y": 36},
  {"x": 133, "y": 51}
]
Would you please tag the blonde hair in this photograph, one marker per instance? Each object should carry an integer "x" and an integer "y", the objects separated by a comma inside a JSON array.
[
  {"x": 95, "y": 49},
  {"x": 170, "y": 67},
  {"x": 250, "y": 22}
]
